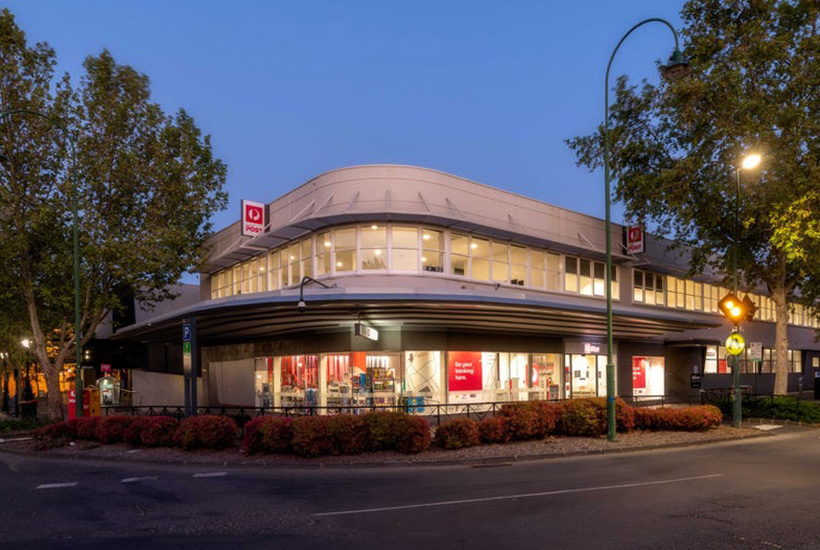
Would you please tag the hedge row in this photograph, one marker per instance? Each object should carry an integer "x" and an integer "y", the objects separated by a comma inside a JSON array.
[
  {"x": 199, "y": 432},
  {"x": 312, "y": 436},
  {"x": 348, "y": 434},
  {"x": 782, "y": 408},
  {"x": 578, "y": 417}
]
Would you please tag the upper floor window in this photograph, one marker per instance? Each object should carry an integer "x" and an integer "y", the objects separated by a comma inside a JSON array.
[{"x": 412, "y": 249}]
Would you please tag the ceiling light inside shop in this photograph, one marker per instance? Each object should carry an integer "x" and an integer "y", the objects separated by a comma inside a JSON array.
[{"x": 378, "y": 252}]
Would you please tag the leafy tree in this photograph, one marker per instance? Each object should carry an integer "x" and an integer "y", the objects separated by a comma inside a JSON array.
[
  {"x": 148, "y": 183},
  {"x": 676, "y": 146}
]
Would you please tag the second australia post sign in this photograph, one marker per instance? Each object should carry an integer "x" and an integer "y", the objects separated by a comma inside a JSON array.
[{"x": 253, "y": 218}]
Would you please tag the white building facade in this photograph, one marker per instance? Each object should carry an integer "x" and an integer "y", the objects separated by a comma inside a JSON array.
[{"x": 475, "y": 294}]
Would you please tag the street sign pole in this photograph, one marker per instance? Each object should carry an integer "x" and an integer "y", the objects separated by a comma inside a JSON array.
[{"x": 189, "y": 365}]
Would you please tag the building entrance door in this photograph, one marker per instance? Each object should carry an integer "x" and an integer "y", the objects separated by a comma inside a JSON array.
[{"x": 588, "y": 374}]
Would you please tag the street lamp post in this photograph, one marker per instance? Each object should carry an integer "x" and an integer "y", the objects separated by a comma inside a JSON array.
[
  {"x": 78, "y": 381},
  {"x": 749, "y": 162},
  {"x": 675, "y": 70}
]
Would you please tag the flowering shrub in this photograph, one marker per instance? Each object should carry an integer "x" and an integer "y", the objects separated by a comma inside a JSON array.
[
  {"x": 206, "y": 432},
  {"x": 385, "y": 429},
  {"x": 580, "y": 417},
  {"x": 111, "y": 429},
  {"x": 310, "y": 437},
  {"x": 133, "y": 434},
  {"x": 531, "y": 419},
  {"x": 415, "y": 435},
  {"x": 458, "y": 433},
  {"x": 277, "y": 435},
  {"x": 588, "y": 417},
  {"x": 86, "y": 427},
  {"x": 159, "y": 431},
  {"x": 349, "y": 434},
  {"x": 58, "y": 430},
  {"x": 688, "y": 419},
  {"x": 494, "y": 429}
]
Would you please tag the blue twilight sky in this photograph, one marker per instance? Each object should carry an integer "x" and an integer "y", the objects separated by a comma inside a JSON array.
[{"x": 484, "y": 90}]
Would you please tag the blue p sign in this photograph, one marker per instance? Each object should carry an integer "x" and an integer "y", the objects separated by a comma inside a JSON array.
[{"x": 186, "y": 332}]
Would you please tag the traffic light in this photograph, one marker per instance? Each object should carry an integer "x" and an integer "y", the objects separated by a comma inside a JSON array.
[{"x": 737, "y": 310}]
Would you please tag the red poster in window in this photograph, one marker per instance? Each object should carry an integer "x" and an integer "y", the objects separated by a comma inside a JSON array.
[
  {"x": 722, "y": 366},
  {"x": 639, "y": 373},
  {"x": 464, "y": 371}
]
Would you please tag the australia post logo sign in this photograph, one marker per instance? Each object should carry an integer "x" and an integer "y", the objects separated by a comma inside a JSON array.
[
  {"x": 635, "y": 243},
  {"x": 253, "y": 218}
]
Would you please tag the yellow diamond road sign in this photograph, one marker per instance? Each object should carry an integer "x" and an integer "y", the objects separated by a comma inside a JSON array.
[{"x": 735, "y": 344}]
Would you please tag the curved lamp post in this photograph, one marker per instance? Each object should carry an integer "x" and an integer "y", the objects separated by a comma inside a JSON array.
[
  {"x": 675, "y": 70},
  {"x": 78, "y": 381},
  {"x": 749, "y": 162}
]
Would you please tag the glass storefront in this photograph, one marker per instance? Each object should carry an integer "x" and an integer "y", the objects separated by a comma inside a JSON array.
[{"x": 414, "y": 379}]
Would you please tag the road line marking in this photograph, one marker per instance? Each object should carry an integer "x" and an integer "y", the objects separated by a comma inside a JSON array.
[
  {"x": 56, "y": 485},
  {"x": 15, "y": 439},
  {"x": 524, "y": 495},
  {"x": 136, "y": 479},
  {"x": 212, "y": 474}
]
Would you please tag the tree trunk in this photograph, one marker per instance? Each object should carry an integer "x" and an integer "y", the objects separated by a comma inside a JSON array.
[
  {"x": 781, "y": 336},
  {"x": 54, "y": 399}
]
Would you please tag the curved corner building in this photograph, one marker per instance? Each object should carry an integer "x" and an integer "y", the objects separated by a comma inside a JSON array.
[{"x": 443, "y": 290}]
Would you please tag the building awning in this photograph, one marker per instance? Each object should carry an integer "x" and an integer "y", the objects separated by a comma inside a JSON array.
[{"x": 260, "y": 316}]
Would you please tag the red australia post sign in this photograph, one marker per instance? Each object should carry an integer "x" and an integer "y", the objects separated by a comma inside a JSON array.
[
  {"x": 464, "y": 368},
  {"x": 635, "y": 239},
  {"x": 253, "y": 218}
]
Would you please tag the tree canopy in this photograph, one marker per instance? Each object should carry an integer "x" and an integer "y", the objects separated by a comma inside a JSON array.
[
  {"x": 677, "y": 147},
  {"x": 148, "y": 183}
]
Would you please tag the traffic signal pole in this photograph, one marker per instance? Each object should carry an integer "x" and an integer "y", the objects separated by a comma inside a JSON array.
[{"x": 737, "y": 409}]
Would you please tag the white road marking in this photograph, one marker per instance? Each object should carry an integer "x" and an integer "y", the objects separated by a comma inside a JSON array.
[
  {"x": 511, "y": 497},
  {"x": 56, "y": 485},
  {"x": 767, "y": 427},
  {"x": 136, "y": 479},
  {"x": 14, "y": 439},
  {"x": 212, "y": 474}
]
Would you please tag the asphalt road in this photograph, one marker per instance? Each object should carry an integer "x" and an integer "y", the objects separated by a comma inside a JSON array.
[{"x": 761, "y": 494}]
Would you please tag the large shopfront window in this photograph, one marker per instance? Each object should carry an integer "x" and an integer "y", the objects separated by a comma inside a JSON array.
[{"x": 413, "y": 380}]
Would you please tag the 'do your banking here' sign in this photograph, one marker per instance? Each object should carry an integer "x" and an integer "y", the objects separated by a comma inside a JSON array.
[{"x": 253, "y": 218}]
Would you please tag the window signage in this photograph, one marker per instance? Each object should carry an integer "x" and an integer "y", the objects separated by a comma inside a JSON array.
[
  {"x": 695, "y": 381},
  {"x": 464, "y": 371},
  {"x": 253, "y": 218},
  {"x": 366, "y": 332},
  {"x": 638, "y": 373},
  {"x": 635, "y": 243}
]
